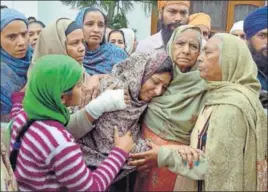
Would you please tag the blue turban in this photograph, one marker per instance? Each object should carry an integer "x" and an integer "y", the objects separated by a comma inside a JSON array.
[
  {"x": 8, "y": 15},
  {"x": 255, "y": 22}
]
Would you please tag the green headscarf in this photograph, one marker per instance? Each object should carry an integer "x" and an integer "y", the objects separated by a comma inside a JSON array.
[
  {"x": 172, "y": 116},
  {"x": 51, "y": 76},
  {"x": 240, "y": 88}
]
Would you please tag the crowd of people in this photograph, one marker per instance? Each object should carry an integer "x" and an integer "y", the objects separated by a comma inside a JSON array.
[{"x": 88, "y": 108}]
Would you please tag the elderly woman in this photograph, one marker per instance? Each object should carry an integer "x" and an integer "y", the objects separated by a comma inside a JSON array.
[
  {"x": 15, "y": 56},
  {"x": 100, "y": 56},
  {"x": 236, "y": 126},
  {"x": 232, "y": 127},
  {"x": 170, "y": 118}
]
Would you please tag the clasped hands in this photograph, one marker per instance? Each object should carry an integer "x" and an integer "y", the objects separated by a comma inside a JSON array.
[{"x": 145, "y": 161}]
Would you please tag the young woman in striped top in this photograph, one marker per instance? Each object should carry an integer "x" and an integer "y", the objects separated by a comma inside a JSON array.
[{"x": 43, "y": 153}]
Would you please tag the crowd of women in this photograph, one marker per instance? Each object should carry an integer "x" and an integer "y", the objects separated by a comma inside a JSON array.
[{"x": 83, "y": 109}]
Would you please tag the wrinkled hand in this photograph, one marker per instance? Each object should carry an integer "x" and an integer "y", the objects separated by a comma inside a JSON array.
[
  {"x": 90, "y": 89},
  {"x": 189, "y": 155},
  {"x": 146, "y": 160},
  {"x": 124, "y": 142}
]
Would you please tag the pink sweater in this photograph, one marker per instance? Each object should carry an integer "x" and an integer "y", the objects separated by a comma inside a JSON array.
[{"x": 47, "y": 146}]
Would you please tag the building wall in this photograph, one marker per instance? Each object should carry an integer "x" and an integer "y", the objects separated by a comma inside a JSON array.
[
  {"x": 139, "y": 20},
  {"x": 49, "y": 11},
  {"x": 29, "y": 8}
]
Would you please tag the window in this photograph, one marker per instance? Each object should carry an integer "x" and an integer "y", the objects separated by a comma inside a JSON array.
[
  {"x": 238, "y": 10},
  {"x": 223, "y": 13},
  {"x": 241, "y": 11},
  {"x": 215, "y": 9}
]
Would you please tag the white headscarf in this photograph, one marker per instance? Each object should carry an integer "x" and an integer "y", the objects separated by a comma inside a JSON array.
[
  {"x": 129, "y": 38},
  {"x": 237, "y": 26}
]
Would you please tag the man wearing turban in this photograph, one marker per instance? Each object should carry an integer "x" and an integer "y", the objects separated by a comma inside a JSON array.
[
  {"x": 203, "y": 21},
  {"x": 238, "y": 30},
  {"x": 172, "y": 14},
  {"x": 255, "y": 28}
]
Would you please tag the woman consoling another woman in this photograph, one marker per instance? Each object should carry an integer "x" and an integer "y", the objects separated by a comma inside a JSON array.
[
  {"x": 232, "y": 127},
  {"x": 170, "y": 118}
]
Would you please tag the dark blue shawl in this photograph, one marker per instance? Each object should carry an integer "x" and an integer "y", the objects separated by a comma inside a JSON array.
[{"x": 101, "y": 60}]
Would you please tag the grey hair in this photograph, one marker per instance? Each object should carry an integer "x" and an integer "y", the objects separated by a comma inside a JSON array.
[
  {"x": 199, "y": 37},
  {"x": 218, "y": 35}
]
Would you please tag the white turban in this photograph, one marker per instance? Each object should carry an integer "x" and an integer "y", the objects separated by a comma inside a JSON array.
[{"x": 237, "y": 26}]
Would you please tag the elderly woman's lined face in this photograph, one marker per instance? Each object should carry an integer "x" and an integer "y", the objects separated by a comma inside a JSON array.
[
  {"x": 75, "y": 45},
  {"x": 185, "y": 50},
  {"x": 15, "y": 39},
  {"x": 94, "y": 28},
  {"x": 209, "y": 60}
]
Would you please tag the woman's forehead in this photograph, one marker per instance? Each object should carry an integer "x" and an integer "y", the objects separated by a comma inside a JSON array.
[
  {"x": 189, "y": 34},
  {"x": 93, "y": 15},
  {"x": 117, "y": 34},
  {"x": 214, "y": 42},
  {"x": 15, "y": 26},
  {"x": 35, "y": 25}
]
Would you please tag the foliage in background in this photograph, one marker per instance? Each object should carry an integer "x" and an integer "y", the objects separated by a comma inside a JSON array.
[{"x": 115, "y": 10}]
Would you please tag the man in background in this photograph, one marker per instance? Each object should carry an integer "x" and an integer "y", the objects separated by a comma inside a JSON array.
[
  {"x": 203, "y": 22},
  {"x": 255, "y": 28},
  {"x": 238, "y": 30},
  {"x": 172, "y": 14}
]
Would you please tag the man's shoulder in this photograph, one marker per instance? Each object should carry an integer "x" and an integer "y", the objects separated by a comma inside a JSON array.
[
  {"x": 156, "y": 36},
  {"x": 150, "y": 43}
]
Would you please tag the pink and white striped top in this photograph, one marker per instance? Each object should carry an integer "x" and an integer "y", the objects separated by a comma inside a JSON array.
[{"x": 48, "y": 147}]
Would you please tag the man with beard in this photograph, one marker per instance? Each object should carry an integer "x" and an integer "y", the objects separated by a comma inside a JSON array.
[
  {"x": 255, "y": 28},
  {"x": 172, "y": 15}
]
